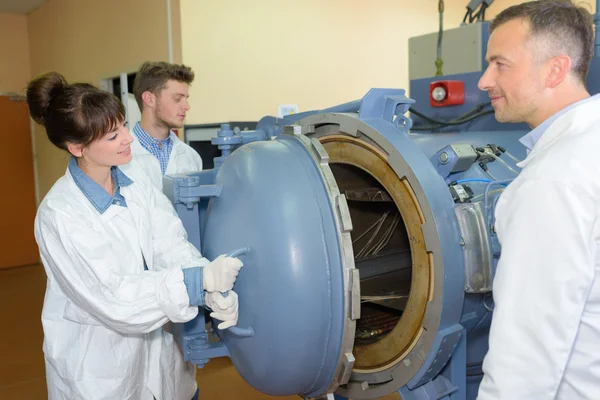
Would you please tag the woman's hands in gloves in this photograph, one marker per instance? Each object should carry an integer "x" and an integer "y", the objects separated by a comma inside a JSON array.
[
  {"x": 224, "y": 309},
  {"x": 220, "y": 275}
]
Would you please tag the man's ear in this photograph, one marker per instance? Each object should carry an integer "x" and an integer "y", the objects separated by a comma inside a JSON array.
[
  {"x": 75, "y": 149},
  {"x": 559, "y": 69},
  {"x": 149, "y": 99}
]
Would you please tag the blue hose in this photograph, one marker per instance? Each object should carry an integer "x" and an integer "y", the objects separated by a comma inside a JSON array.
[{"x": 473, "y": 180}]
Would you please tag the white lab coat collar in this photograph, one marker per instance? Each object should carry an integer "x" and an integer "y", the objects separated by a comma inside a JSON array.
[
  {"x": 183, "y": 159},
  {"x": 137, "y": 147},
  {"x": 135, "y": 206},
  {"x": 573, "y": 122},
  {"x": 178, "y": 150},
  {"x": 177, "y": 144}
]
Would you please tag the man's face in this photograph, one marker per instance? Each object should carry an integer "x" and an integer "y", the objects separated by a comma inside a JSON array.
[
  {"x": 172, "y": 104},
  {"x": 515, "y": 76}
]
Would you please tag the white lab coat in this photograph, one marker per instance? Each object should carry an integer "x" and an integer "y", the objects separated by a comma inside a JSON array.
[
  {"x": 182, "y": 159},
  {"x": 545, "y": 334},
  {"x": 103, "y": 314}
]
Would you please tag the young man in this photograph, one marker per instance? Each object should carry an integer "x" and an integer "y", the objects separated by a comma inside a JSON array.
[
  {"x": 545, "y": 329},
  {"x": 161, "y": 91}
]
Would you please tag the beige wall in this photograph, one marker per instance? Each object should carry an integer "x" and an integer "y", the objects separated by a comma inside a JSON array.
[
  {"x": 14, "y": 53},
  {"x": 250, "y": 56},
  {"x": 92, "y": 40}
]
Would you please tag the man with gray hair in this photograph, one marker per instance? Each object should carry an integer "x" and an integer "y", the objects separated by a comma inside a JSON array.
[{"x": 545, "y": 334}]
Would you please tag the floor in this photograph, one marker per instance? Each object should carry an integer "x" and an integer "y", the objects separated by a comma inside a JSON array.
[{"x": 22, "y": 367}]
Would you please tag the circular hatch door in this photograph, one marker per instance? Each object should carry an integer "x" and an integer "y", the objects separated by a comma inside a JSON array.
[{"x": 298, "y": 290}]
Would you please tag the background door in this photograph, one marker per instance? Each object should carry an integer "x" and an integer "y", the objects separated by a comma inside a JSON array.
[{"x": 17, "y": 186}]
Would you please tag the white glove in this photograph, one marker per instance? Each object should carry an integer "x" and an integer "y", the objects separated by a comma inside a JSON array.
[
  {"x": 224, "y": 308},
  {"x": 219, "y": 275}
]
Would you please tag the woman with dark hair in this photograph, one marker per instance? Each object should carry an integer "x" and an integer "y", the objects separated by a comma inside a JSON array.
[{"x": 117, "y": 258}]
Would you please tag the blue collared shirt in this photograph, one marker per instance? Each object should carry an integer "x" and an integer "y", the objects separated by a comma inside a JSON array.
[
  {"x": 532, "y": 137},
  {"x": 161, "y": 149},
  {"x": 95, "y": 193}
]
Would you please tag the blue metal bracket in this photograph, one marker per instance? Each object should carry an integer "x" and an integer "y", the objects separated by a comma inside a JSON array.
[
  {"x": 189, "y": 194},
  {"x": 190, "y": 188},
  {"x": 446, "y": 377},
  {"x": 456, "y": 370},
  {"x": 386, "y": 104},
  {"x": 193, "y": 340},
  {"x": 438, "y": 389},
  {"x": 227, "y": 140},
  {"x": 441, "y": 351},
  {"x": 273, "y": 126},
  {"x": 201, "y": 350}
]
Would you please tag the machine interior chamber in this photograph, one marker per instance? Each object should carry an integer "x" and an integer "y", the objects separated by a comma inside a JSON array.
[
  {"x": 381, "y": 253},
  {"x": 395, "y": 270}
]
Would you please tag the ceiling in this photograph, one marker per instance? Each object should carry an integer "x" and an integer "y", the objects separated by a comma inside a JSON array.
[{"x": 19, "y": 6}]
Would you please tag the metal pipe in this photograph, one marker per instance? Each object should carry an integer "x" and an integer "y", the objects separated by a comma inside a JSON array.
[
  {"x": 438, "y": 61},
  {"x": 124, "y": 91},
  {"x": 169, "y": 33}
]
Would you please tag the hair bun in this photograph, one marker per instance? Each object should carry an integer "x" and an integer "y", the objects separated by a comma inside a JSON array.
[{"x": 40, "y": 93}]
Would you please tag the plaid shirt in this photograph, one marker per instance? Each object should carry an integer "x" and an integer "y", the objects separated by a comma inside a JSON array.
[{"x": 161, "y": 149}]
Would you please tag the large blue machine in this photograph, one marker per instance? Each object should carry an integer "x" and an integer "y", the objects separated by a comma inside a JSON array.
[{"x": 367, "y": 239}]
